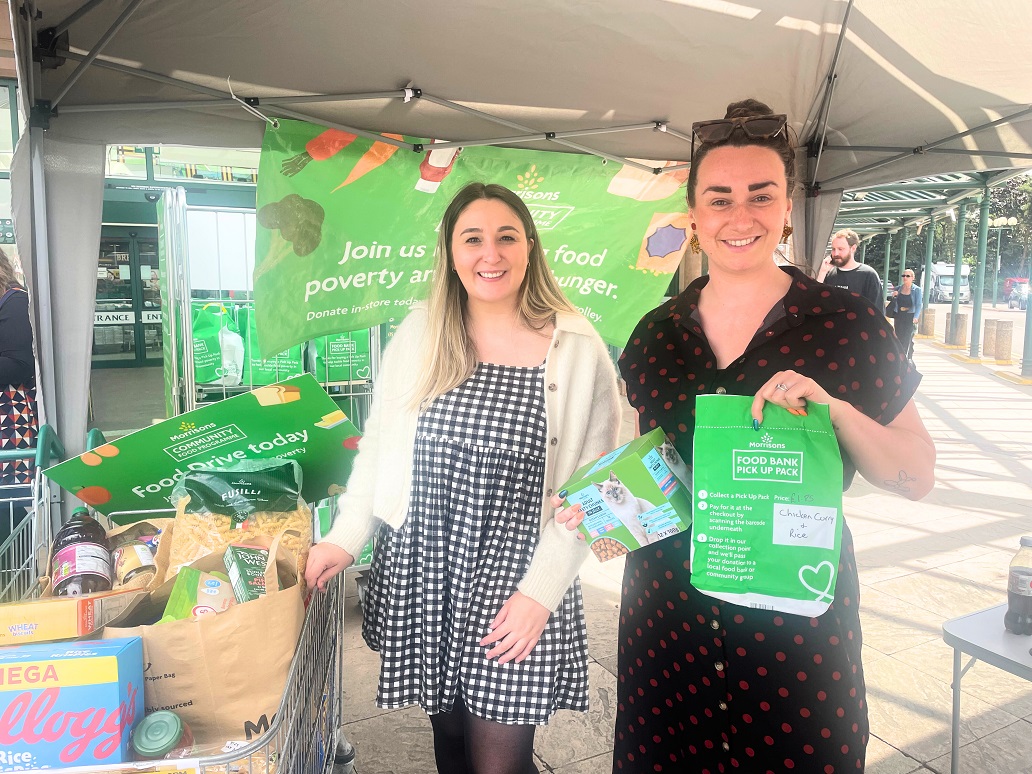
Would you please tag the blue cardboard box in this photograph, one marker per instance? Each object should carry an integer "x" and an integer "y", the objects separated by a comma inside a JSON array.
[{"x": 69, "y": 703}]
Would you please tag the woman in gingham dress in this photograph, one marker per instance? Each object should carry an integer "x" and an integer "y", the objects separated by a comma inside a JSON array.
[{"x": 488, "y": 399}]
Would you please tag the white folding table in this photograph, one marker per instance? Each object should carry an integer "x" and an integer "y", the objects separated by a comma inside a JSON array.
[{"x": 983, "y": 637}]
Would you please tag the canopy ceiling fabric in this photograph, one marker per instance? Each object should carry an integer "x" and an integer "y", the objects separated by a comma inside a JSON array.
[{"x": 906, "y": 75}]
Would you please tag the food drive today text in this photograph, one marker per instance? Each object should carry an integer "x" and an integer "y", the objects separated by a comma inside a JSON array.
[{"x": 257, "y": 450}]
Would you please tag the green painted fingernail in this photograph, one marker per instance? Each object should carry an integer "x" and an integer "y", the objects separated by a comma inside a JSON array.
[
  {"x": 756, "y": 424},
  {"x": 562, "y": 493}
]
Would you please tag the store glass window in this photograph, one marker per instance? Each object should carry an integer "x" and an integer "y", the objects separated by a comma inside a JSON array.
[
  {"x": 225, "y": 165},
  {"x": 127, "y": 161},
  {"x": 8, "y": 122}
]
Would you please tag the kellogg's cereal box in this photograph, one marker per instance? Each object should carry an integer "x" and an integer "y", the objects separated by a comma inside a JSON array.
[{"x": 69, "y": 704}]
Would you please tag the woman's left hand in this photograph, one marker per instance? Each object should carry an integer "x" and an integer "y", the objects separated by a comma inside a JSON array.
[
  {"x": 789, "y": 390},
  {"x": 516, "y": 629}
]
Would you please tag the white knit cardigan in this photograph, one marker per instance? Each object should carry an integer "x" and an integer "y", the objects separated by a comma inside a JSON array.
[{"x": 583, "y": 415}]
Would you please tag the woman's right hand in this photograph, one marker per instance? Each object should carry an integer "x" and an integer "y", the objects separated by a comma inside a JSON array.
[
  {"x": 571, "y": 517},
  {"x": 324, "y": 561}
]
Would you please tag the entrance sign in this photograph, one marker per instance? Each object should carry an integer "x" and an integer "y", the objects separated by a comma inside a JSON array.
[{"x": 347, "y": 229}]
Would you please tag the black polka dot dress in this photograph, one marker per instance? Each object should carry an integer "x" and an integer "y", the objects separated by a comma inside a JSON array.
[
  {"x": 438, "y": 581},
  {"x": 708, "y": 686}
]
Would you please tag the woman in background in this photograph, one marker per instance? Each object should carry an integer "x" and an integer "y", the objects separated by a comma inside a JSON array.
[{"x": 17, "y": 375}]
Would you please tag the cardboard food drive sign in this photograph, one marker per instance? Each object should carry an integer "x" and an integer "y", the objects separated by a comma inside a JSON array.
[
  {"x": 347, "y": 229},
  {"x": 294, "y": 419}
]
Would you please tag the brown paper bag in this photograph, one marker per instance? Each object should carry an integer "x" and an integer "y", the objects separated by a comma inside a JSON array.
[{"x": 224, "y": 675}]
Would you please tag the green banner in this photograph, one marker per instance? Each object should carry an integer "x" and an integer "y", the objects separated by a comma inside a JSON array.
[
  {"x": 294, "y": 419},
  {"x": 347, "y": 229}
]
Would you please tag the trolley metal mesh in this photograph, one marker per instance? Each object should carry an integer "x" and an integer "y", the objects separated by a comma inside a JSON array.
[{"x": 303, "y": 731}]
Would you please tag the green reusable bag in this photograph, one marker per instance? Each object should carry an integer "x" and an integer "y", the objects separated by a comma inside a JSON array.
[
  {"x": 285, "y": 365},
  {"x": 343, "y": 357},
  {"x": 217, "y": 346},
  {"x": 767, "y": 527}
]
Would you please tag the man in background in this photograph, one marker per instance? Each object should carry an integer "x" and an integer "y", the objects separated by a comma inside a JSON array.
[{"x": 842, "y": 270}]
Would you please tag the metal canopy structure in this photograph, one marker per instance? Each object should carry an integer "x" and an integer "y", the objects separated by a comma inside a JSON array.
[
  {"x": 888, "y": 208},
  {"x": 875, "y": 92}
]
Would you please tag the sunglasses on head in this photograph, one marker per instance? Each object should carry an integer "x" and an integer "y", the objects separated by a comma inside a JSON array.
[{"x": 755, "y": 128}]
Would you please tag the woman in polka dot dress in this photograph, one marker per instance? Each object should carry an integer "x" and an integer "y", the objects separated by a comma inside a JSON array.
[{"x": 706, "y": 686}]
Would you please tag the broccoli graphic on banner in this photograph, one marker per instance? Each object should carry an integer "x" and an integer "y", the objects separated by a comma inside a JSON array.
[{"x": 299, "y": 221}]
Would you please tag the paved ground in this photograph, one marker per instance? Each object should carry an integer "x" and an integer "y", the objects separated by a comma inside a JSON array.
[{"x": 920, "y": 565}]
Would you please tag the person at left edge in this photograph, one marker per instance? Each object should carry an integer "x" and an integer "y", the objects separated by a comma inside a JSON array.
[
  {"x": 18, "y": 422},
  {"x": 489, "y": 398}
]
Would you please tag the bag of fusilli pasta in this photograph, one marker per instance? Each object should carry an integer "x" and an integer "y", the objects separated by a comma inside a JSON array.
[{"x": 215, "y": 508}]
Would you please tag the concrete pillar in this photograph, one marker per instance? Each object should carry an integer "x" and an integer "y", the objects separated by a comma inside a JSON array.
[
  {"x": 989, "y": 339},
  {"x": 927, "y": 326},
  {"x": 1004, "y": 342},
  {"x": 960, "y": 330}
]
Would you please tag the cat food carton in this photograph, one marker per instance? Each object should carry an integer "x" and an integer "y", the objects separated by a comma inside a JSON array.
[
  {"x": 633, "y": 496},
  {"x": 69, "y": 704}
]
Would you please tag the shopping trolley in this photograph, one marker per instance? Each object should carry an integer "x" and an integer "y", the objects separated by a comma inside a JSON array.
[
  {"x": 305, "y": 735},
  {"x": 25, "y": 520}
]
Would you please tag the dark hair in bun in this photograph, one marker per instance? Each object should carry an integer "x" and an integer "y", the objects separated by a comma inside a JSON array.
[{"x": 783, "y": 144}]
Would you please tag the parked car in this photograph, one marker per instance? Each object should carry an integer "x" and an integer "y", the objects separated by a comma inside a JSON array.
[
  {"x": 1018, "y": 296},
  {"x": 940, "y": 288}
]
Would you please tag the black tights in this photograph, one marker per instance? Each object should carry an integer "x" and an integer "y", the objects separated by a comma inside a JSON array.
[{"x": 466, "y": 744}]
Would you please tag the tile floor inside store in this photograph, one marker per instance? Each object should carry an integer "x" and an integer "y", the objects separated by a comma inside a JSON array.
[{"x": 125, "y": 399}]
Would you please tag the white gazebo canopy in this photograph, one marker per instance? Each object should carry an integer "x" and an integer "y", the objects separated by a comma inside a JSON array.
[{"x": 877, "y": 91}]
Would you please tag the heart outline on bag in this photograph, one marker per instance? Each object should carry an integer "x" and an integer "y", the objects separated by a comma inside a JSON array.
[{"x": 822, "y": 596}]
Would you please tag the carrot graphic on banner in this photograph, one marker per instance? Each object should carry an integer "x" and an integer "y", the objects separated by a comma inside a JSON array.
[
  {"x": 319, "y": 148},
  {"x": 376, "y": 156}
]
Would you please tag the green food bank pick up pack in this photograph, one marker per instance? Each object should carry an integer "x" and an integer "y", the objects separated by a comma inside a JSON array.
[
  {"x": 768, "y": 506},
  {"x": 633, "y": 496}
]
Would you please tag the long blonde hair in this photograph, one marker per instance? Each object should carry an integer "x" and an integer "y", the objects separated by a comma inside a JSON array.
[
  {"x": 8, "y": 278},
  {"x": 451, "y": 356}
]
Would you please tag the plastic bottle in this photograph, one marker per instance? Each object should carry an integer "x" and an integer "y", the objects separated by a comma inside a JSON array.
[
  {"x": 82, "y": 557},
  {"x": 162, "y": 735},
  {"x": 232, "y": 345},
  {"x": 1019, "y": 590}
]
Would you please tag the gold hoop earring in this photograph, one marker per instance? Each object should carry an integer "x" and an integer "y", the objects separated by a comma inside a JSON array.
[
  {"x": 786, "y": 233},
  {"x": 694, "y": 244}
]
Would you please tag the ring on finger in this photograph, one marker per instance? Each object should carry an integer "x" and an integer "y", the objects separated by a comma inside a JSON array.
[{"x": 782, "y": 387}]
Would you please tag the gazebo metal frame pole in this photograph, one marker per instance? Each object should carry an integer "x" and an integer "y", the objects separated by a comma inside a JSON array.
[
  {"x": 926, "y": 275},
  {"x": 958, "y": 261},
  {"x": 886, "y": 284},
  {"x": 976, "y": 287}
]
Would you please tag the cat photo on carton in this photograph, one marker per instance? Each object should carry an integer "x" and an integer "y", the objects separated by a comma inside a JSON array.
[
  {"x": 626, "y": 507},
  {"x": 633, "y": 496}
]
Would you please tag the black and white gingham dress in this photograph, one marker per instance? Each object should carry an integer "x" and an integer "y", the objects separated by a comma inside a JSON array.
[{"x": 473, "y": 523}]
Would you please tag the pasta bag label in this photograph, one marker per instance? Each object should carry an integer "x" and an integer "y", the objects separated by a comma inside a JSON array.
[{"x": 767, "y": 506}]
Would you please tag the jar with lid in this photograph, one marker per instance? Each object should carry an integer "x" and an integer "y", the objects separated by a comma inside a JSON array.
[
  {"x": 131, "y": 558},
  {"x": 162, "y": 735},
  {"x": 81, "y": 561}
]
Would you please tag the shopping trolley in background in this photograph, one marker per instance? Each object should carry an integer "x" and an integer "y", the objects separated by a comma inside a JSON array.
[{"x": 26, "y": 521}]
